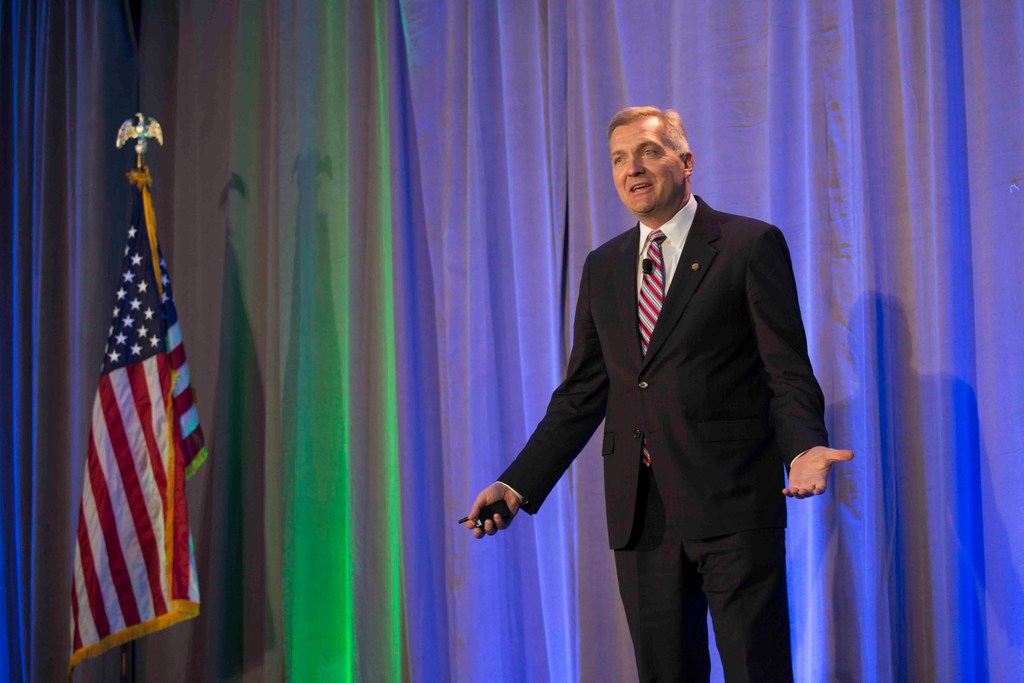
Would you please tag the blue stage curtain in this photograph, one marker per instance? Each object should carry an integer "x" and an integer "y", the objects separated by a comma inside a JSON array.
[
  {"x": 376, "y": 215},
  {"x": 67, "y": 75}
]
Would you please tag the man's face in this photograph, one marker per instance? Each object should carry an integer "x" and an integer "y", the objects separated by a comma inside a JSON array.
[{"x": 652, "y": 180}]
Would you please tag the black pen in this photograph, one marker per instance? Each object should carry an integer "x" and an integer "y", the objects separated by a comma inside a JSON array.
[{"x": 499, "y": 507}]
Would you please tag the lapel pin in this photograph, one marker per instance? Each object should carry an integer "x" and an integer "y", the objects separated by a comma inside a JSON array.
[{"x": 695, "y": 267}]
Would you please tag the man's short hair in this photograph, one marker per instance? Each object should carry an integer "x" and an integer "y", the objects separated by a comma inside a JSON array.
[{"x": 671, "y": 125}]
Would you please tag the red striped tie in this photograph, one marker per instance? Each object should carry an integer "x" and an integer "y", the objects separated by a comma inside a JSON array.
[{"x": 652, "y": 292}]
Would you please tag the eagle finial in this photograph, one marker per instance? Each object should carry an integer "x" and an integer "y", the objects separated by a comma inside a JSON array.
[{"x": 142, "y": 130}]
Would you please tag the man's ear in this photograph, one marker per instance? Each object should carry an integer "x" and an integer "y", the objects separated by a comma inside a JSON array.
[{"x": 687, "y": 158}]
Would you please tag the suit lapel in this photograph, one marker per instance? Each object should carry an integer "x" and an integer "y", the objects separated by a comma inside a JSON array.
[
  {"x": 624, "y": 273},
  {"x": 697, "y": 251}
]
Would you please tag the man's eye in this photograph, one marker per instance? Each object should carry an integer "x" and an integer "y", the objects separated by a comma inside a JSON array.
[{"x": 648, "y": 152}]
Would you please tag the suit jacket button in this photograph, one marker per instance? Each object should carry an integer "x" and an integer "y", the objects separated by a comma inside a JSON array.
[
  {"x": 643, "y": 385},
  {"x": 637, "y": 434}
]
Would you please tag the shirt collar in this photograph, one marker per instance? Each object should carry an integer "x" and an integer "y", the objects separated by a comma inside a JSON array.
[{"x": 677, "y": 227}]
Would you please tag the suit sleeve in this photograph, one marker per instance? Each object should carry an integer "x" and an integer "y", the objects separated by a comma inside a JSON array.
[
  {"x": 575, "y": 410},
  {"x": 797, "y": 405}
]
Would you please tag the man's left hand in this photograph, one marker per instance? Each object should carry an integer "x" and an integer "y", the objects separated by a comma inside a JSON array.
[{"x": 809, "y": 474}]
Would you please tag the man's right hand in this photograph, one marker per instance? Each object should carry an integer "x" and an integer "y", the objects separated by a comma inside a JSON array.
[{"x": 492, "y": 494}]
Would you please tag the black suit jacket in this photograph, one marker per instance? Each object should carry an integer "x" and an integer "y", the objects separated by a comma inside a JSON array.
[{"x": 725, "y": 396}]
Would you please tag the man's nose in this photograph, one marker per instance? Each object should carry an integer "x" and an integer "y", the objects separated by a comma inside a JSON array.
[{"x": 635, "y": 167}]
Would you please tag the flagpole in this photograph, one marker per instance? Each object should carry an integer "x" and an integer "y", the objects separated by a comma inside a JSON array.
[
  {"x": 143, "y": 131},
  {"x": 128, "y": 662}
]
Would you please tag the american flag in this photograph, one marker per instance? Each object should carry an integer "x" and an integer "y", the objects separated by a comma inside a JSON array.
[{"x": 134, "y": 564}]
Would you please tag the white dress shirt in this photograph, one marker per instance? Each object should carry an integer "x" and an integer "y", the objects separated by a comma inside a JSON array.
[{"x": 676, "y": 230}]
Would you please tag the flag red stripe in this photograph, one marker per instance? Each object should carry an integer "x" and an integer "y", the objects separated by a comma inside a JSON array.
[
  {"x": 179, "y": 531},
  {"x": 115, "y": 557},
  {"x": 164, "y": 373},
  {"x": 76, "y": 637},
  {"x": 178, "y": 356},
  {"x": 144, "y": 406},
  {"x": 182, "y": 402},
  {"x": 182, "y": 559},
  {"x": 93, "y": 592},
  {"x": 133, "y": 492},
  {"x": 192, "y": 444}
]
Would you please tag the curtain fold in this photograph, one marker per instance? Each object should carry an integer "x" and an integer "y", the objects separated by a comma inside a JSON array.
[{"x": 376, "y": 215}]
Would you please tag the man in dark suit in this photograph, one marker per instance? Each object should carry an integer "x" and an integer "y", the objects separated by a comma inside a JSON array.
[{"x": 688, "y": 343}]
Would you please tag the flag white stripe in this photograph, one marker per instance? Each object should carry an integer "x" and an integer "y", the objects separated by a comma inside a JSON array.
[
  {"x": 193, "y": 575},
  {"x": 130, "y": 547},
  {"x": 159, "y": 426},
  {"x": 156, "y": 397},
  {"x": 140, "y": 449},
  {"x": 182, "y": 383},
  {"x": 147, "y": 481},
  {"x": 100, "y": 561},
  {"x": 189, "y": 421},
  {"x": 173, "y": 337},
  {"x": 86, "y": 625}
]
